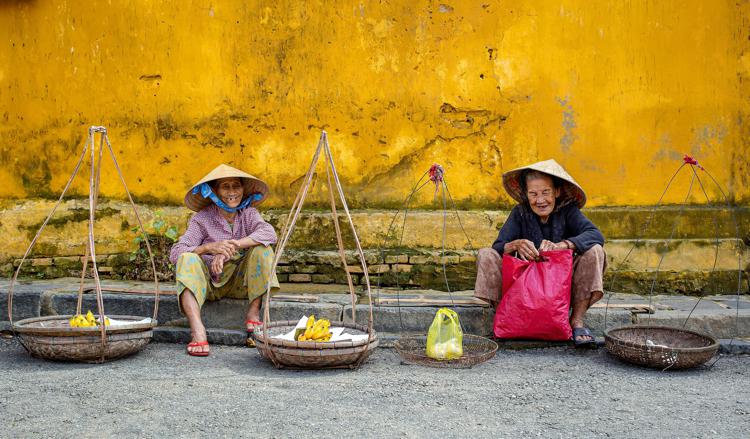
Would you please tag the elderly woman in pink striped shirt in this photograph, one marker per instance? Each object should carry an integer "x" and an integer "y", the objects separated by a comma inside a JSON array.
[{"x": 225, "y": 251}]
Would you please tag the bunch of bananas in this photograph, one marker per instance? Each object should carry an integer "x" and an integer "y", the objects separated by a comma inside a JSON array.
[
  {"x": 316, "y": 330},
  {"x": 80, "y": 321}
]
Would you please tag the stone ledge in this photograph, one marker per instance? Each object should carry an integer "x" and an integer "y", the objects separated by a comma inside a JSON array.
[
  {"x": 227, "y": 337},
  {"x": 714, "y": 314},
  {"x": 26, "y": 304},
  {"x": 63, "y": 303},
  {"x": 474, "y": 319},
  {"x": 718, "y": 323}
]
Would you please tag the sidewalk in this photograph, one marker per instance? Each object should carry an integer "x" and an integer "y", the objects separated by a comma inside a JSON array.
[{"x": 394, "y": 312}]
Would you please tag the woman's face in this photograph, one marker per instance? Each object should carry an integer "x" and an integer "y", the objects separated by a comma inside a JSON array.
[
  {"x": 229, "y": 190},
  {"x": 541, "y": 194}
]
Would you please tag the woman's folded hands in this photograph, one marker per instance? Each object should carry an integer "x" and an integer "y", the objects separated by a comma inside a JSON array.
[{"x": 528, "y": 252}]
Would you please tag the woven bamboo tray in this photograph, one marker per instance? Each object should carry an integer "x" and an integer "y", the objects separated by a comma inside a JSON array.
[
  {"x": 314, "y": 355},
  {"x": 685, "y": 348},
  {"x": 476, "y": 350},
  {"x": 52, "y": 338}
]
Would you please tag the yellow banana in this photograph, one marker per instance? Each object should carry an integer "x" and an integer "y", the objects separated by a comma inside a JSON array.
[
  {"x": 310, "y": 321},
  {"x": 308, "y": 333},
  {"x": 321, "y": 332},
  {"x": 318, "y": 329}
]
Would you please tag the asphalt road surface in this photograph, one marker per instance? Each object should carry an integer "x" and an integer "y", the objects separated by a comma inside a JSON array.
[{"x": 560, "y": 392}]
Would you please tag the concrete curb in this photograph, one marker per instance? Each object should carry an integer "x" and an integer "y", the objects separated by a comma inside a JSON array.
[{"x": 715, "y": 315}]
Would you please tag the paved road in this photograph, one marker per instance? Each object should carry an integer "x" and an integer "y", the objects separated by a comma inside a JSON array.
[{"x": 551, "y": 393}]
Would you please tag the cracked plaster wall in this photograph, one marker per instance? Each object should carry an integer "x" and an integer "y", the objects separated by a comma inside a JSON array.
[{"x": 616, "y": 91}]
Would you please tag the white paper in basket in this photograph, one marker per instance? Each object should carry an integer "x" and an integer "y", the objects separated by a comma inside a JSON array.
[{"x": 337, "y": 333}]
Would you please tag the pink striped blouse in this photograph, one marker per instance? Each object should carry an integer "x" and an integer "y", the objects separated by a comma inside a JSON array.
[{"x": 209, "y": 226}]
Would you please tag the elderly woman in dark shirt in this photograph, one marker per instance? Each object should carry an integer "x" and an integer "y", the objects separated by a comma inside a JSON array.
[{"x": 547, "y": 218}]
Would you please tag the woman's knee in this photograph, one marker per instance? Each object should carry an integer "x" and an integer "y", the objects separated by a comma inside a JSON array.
[
  {"x": 187, "y": 257},
  {"x": 261, "y": 252},
  {"x": 487, "y": 254},
  {"x": 594, "y": 254}
]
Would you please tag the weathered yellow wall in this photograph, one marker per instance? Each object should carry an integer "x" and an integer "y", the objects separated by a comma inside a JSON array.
[{"x": 616, "y": 91}]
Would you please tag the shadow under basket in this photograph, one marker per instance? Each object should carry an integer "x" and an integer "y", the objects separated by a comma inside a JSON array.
[
  {"x": 314, "y": 355},
  {"x": 52, "y": 338},
  {"x": 667, "y": 347},
  {"x": 476, "y": 350}
]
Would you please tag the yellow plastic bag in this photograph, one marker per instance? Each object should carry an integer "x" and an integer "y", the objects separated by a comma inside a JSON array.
[{"x": 445, "y": 339}]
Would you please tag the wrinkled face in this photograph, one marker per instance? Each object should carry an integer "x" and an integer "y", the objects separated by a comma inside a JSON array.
[
  {"x": 541, "y": 193},
  {"x": 229, "y": 190}
]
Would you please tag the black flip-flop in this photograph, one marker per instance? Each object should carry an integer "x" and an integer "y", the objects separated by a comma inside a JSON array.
[{"x": 583, "y": 332}]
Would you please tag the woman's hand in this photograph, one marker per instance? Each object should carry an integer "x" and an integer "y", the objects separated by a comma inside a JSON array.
[
  {"x": 225, "y": 248},
  {"x": 217, "y": 265},
  {"x": 549, "y": 245},
  {"x": 524, "y": 248}
]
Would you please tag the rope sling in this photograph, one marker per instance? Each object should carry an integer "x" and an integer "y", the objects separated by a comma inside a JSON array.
[
  {"x": 436, "y": 176},
  {"x": 692, "y": 164},
  {"x": 90, "y": 252},
  {"x": 288, "y": 228}
]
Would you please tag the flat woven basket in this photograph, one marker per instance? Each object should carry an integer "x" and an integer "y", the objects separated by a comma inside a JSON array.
[
  {"x": 669, "y": 348},
  {"x": 477, "y": 350},
  {"x": 314, "y": 355},
  {"x": 52, "y": 338}
]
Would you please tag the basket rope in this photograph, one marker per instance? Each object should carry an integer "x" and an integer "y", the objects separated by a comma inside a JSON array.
[
  {"x": 288, "y": 228},
  {"x": 436, "y": 176},
  {"x": 692, "y": 163},
  {"x": 90, "y": 252}
]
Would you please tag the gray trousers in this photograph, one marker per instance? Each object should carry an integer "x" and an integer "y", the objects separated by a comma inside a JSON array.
[{"x": 588, "y": 271}]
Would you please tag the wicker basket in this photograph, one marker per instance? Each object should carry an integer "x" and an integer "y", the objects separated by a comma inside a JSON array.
[
  {"x": 52, "y": 338},
  {"x": 476, "y": 350},
  {"x": 681, "y": 348},
  {"x": 314, "y": 355}
]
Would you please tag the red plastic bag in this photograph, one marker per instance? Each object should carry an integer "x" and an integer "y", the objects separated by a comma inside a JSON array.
[{"x": 536, "y": 297}]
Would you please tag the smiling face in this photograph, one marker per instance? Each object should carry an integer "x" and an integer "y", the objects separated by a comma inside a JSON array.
[
  {"x": 229, "y": 190},
  {"x": 541, "y": 193}
]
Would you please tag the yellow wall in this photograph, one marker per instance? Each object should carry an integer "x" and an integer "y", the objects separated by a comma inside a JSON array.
[{"x": 614, "y": 90}]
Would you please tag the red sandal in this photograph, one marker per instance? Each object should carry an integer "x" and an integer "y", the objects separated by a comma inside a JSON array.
[
  {"x": 196, "y": 344},
  {"x": 252, "y": 322}
]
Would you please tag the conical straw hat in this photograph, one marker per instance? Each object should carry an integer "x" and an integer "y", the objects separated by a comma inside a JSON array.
[
  {"x": 250, "y": 184},
  {"x": 570, "y": 190}
]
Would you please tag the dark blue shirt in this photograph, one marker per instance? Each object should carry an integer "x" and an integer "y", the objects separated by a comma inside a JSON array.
[{"x": 567, "y": 222}]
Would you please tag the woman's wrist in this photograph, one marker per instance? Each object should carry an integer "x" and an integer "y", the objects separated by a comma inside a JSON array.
[{"x": 247, "y": 242}]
